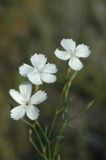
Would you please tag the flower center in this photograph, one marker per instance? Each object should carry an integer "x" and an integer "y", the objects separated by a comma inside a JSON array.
[
  {"x": 38, "y": 70},
  {"x": 26, "y": 102},
  {"x": 71, "y": 54}
]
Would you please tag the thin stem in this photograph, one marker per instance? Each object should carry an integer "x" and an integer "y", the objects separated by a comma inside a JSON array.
[
  {"x": 46, "y": 138},
  {"x": 28, "y": 123},
  {"x": 39, "y": 139},
  {"x": 43, "y": 133},
  {"x": 59, "y": 105},
  {"x": 61, "y": 133},
  {"x": 53, "y": 122},
  {"x": 49, "y": 148},
  {"x": 68, "y": 84},
  {"x": 59, "y": 109},
  {"x": 38, "y": 136},
  {"x": 36, "y": 148},
  {"x": 58, "y": 158}
]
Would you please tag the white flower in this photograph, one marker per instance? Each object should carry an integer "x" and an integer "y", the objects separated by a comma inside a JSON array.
[
  {"x": 73, "y": 53},
  {"x": 26, "y": 102},
  {"x": 39, "y": 72}
]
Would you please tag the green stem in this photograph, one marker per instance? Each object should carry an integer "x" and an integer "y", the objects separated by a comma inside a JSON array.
[
  {"x": 64, "y": 96},
  {"x": 38, "y": 136},
  {"x": 61, "y": 133},
  {"x": 42, "y": 131},
  {"x": 36, "y": 148},
  {"x": 46, "y": 138},
  {"x": 53, "y": 123},
  {"x": 58, "y": 106},
  {"x": 68, "y": 84},
  {"x": 39, "y": 139},
  {"x": 28, "y": 123},
  {"x": 58, "y": 158},
  {"x": 49, "y": 148}
]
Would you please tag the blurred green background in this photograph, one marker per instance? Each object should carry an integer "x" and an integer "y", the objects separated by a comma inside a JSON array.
[{"x": 29, "y": 26}]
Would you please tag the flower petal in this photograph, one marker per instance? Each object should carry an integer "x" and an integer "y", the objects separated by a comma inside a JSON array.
[
  {"x": 16, "y": 96},
  {"x": 35, "y": 78},
  {"x": 50, "y": 68},
  {"x": 26, "y": 90},
  {"x": 64, "y": 55},
  {"x": 38, "y": 60},
  {"x": 82, "y": 51},
  {"x": 17, "y": 112},
  {"x": 38, "y": 97},
  {"x": 25, "y": 69},
  {"x": 68, "y": 44},
  {"x": 48, "y": 78},
  {"x": 75, "y": 64},
  {"x": 32, "y": 112}
]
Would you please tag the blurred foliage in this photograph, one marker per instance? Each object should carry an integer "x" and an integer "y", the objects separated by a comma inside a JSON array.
[{"x": 28, "y": 26}]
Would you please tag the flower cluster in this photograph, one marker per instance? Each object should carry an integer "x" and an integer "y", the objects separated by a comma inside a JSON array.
[
  {"x": 37, "y": 74},
  {"x": 40, "y": 72}
]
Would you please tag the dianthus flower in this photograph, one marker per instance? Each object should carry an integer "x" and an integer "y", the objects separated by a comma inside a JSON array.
[
  {"x": 73, "y": 53},
  {"x": 40, "y": 71},
  {"x": 26, "y": 102}
]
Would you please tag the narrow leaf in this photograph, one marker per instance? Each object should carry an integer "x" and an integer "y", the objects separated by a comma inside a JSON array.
[{"x": 89, "y": 105}]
